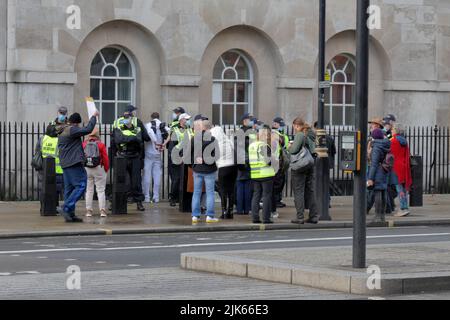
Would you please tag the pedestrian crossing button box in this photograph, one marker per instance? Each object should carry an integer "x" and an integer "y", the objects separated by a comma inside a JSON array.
[{"x": 349, "y": 151}]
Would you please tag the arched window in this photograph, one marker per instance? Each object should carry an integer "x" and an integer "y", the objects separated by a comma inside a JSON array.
[
  {"x": 232, "y": 88},
  {"x": 112, "y": 83},
  {"x": 340, "y": 99}
]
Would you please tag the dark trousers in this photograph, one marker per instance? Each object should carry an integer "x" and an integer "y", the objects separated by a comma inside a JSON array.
[
  {"x": 175, "y": 180},
  {"x": 75, "y": 183},
  {"x": 391, "y": 194},
  {"x": 134, "y": 179},
  {"x": 279, "y": 182},
  {"x": 303, "y": 186},
  {"x": 262, "y": 190},
  {"x": 244, "y": 196},
  {"x": 380, "y": 202},
  {"x": 227, "y": 187}
]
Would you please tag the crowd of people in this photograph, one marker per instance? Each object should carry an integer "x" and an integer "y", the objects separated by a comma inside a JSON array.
[
  {"x": 389, "y": 170},
  {"x": 248, "y": 168}
]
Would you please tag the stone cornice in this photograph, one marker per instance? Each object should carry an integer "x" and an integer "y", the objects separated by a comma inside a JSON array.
[
  {"x": 296, "y": 83},
  {"x": 180, "y": 81},
  {"x": 421, "y": 86},
  {"x": 20, "y": 76}
]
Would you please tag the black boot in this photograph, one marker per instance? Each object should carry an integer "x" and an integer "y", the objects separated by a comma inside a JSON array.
[
  {"x": 379, "y": 218},
  {"x": 140, "y": 206},
  {"x": 229, "y": 214}
]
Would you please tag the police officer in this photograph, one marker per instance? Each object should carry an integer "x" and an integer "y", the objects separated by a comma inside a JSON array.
[
  {"x": 245, "y": 137},
  {"x": 48, "y": 146},
  {"x": 179, "y": 136},
  {"x": 262, "y": 175},
  {"x": 128, "y": 137},
  {"x": 176, "y": 116},
  {"x": 282, "y": 139}
]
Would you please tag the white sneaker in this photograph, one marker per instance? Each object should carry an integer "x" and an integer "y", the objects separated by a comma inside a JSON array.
[
  {"x": 275, "y": 215},
  {"x": 212, "y": 220},
  {"x": 103, "y": 214},
  {"x": 147, "y": 200},
  {"x": 402, "y": 213},
  {"x": 89, "y": 214},
  {"x": 194, "y": 220}
]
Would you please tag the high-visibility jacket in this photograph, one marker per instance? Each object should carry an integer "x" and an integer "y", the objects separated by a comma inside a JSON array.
[
  {"x": 118, "y": 124},
  {"x": 174, "y": 124},
  {"x": 49, "y": 149},
  {"x": 181, "y": 135},
  {"x": 259, "y": 168}
]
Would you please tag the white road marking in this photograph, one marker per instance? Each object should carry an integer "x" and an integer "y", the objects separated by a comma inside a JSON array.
[
  {"x": 70, "y": 260},
  {"x": 5, "y": 274},
  {"x": 100, "y": 262},
  {"x": 28, "y": 272},
  {"x": 42, "y": 257},
  {"x": 15, "y": 255},
  {"x": 212, "y": 244},
  {"x": 134, "y": 265}
]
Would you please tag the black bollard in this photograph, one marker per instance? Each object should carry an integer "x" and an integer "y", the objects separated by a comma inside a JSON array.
[
  {"x": 416, "y": 194},
  {"x": 120, "y": 188},
  {"x": 49, "y": 194}
]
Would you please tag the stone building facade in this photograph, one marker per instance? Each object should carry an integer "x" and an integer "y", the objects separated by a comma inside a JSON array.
[{"x": 220, "y": 58}]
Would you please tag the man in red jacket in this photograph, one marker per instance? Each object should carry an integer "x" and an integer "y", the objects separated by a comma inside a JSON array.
[
  {"x": 97, "y": 167},
  {"x": 402, "y": 168}
]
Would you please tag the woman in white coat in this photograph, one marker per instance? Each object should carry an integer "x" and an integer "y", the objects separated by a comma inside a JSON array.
[{"x": 227, "y": 172}]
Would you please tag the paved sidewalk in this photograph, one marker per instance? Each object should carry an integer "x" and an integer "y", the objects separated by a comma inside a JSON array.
[
  {"x": 22, "y": 219},
  {"x": 405, "y": 269}
]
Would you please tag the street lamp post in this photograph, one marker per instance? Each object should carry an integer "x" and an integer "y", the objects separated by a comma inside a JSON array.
[
  {"x": 323, "y": 169},
  {"x": 362, "y": 86}
]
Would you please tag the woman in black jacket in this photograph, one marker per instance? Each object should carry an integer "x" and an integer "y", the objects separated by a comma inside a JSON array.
[{"x": 205, "y": 153}]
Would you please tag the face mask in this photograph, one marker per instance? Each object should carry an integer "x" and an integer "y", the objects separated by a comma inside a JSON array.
[
  {"x": 174, "y": 116},
  {"x": 62, "y": 118},
  {"x": 281, "y": 129},
  {"x": 251, "y": 123},
  {"x": 188, "y": 123},
  {"x": 126, "y": 123}
]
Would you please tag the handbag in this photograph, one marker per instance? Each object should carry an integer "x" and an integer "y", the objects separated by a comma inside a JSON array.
[
  {"x": 37, "y": 161},
  {"x": 303, "y": 160}
]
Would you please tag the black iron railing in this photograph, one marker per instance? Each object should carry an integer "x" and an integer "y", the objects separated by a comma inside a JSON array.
[{"x": 18, "y": 180}]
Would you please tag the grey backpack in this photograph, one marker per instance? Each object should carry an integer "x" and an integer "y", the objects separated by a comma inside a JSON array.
[
  {"x": 303, "y": 160},
  {"x": 92, "y": 153}
]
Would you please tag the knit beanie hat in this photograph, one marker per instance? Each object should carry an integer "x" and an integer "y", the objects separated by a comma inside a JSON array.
[
  {"x": 378, "y": 134},
  {"x": 75, "y": 118}
]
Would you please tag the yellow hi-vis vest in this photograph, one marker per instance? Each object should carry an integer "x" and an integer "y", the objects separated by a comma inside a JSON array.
[
  {"x": 181, "y": 134},
  {"x": 259, "y": 169},
  {"x": 49, "y": 148},
  {"x": 127, "y": 132},
  {"x": 283, "y": 136}
]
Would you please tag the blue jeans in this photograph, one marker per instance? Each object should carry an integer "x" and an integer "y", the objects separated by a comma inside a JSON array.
[
  {"x": 75, "y": 183},
  {"x": 403, "y": 196},
  {"x": 209, "y": 180},
  {"x": 244, "y": 196}
]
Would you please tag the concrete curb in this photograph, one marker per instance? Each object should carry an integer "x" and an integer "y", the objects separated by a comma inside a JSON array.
[
  {"x": 351, "y": 282},
  {"x": 216, "y": 228}
]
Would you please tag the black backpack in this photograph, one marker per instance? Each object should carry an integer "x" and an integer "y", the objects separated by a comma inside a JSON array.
[
  {"x": 92, "y": 153},
  {"x": 162, "y": 128}
]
